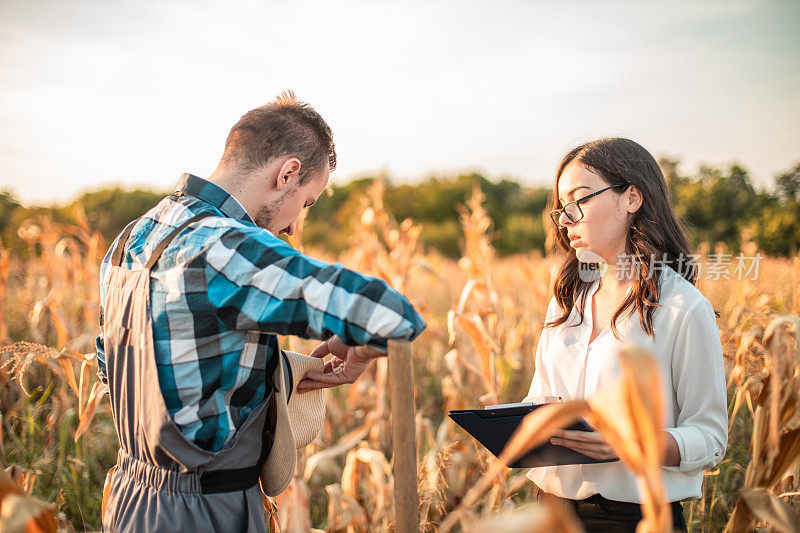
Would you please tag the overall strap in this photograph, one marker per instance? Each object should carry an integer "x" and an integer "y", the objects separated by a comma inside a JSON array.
[
  {"x": 268, "y": 432},
  {"x": 116, "y": 257},
  {"x": 156, "y": 255},
  {"x": 216, "y": 481}
]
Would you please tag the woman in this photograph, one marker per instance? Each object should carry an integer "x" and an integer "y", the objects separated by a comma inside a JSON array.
[{"x": 612, "y": 211}]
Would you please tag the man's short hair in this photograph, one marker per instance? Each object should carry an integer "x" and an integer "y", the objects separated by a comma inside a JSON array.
[{"x": 285, "y": 127}]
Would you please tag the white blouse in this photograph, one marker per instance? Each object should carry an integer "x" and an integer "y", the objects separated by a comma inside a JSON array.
[{"x": 687, "y": 344}]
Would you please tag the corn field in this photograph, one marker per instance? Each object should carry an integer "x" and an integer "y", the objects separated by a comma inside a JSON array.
[{"x": 484, "y": 317}]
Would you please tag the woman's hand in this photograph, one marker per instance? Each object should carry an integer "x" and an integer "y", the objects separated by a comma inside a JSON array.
[
  {"x": 346, "y": 365},
  {"x": 589, "y": 443},
  {"x": 592, "y": 444}
]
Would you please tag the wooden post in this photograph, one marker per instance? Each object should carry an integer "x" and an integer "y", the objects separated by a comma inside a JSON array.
[{"x": 404, "y": 437}]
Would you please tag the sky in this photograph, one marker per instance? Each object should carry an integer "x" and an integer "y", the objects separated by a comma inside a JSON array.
[{"x": 96, "y": 93}]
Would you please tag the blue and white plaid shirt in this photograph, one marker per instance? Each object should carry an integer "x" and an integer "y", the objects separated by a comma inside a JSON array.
[{"x": 222, "y": 291}]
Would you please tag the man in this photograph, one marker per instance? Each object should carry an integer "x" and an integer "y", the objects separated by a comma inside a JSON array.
[{"x": 193, "y": 294}]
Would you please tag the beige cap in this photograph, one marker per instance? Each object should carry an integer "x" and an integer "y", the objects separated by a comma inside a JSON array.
[{"x": 297, "y": 424}]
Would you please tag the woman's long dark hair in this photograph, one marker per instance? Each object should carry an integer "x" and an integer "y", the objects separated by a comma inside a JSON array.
[{"x": 654, "y": 231}]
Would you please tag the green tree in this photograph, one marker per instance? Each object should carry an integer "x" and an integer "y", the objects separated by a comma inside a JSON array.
[
  {"x": 8, "y": 204},
  {"x": 110, "y": 210},
  {"x": 716, "y": 204},
  {"x": 788, "y": 184}
]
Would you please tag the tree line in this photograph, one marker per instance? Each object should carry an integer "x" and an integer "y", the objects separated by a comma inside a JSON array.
[{"x": 717, "y": 204}]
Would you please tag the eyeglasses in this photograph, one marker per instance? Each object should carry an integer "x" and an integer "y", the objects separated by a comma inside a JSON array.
[{"x": 573, "y": 209}]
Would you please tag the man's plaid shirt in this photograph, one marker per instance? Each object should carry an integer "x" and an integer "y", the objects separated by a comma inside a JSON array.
[{"x": 221, "y": 292}]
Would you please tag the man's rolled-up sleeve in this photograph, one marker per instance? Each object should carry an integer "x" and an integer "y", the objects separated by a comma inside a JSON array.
[
  {"x": 255, "y": 281},
  {"x": 698, "y": 377}
]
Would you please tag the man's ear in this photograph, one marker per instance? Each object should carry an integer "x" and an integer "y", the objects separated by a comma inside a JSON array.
[{"x": 289, "y": 173}]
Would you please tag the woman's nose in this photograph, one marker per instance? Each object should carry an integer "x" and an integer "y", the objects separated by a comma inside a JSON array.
[{"x": 564, "y": 220}]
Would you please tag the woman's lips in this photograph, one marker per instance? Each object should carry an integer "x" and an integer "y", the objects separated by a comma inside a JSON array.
[{"x": 574, "y": 241}]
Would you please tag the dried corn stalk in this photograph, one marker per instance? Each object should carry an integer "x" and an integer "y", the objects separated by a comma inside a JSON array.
[
  {"x": 4, "y": 267},
  {"x": 368, "y": 478},
  {"x": 475, "y": 313},
  {"x": 545, "y": 517},
  {"x": 294, "y": 515},
  {"x": 776, "y": 436},
  {"x": 89, "y": 391},
  {"x": 344, "y": 512},
  {"x": 21, "y": 513}
]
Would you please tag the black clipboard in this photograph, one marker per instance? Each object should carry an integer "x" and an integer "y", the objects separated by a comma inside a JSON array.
[{"x": 493, "y": 427}]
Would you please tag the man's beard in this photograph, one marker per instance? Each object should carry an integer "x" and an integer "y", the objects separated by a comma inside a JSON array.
[{"x": 267, "y": 214}]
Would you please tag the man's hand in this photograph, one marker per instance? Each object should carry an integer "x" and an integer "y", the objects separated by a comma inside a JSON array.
[
  {"x": 589, "y": 443},
  {"x": 347, "y": 364}
]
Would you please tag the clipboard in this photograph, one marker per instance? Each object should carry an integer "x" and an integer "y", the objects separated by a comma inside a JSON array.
[{"x": 493, "y": 427}]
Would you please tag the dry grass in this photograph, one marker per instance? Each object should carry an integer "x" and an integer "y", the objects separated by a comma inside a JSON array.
[{"x": 484, "y": 317}]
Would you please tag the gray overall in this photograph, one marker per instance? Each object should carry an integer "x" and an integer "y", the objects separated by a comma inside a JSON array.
[{"x": 162, "y": 481}]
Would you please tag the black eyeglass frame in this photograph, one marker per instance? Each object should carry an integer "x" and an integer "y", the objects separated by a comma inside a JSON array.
[{"x": 555, "y": 215}]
